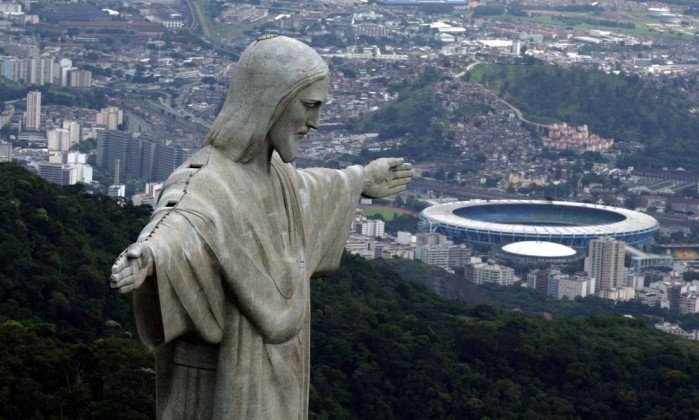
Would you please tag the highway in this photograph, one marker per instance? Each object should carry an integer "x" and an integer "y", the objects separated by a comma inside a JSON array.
[{"x": 465, "y": 192}]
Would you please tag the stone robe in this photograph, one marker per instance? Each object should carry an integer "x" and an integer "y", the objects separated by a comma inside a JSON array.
[{"x": 227, "y": 309}]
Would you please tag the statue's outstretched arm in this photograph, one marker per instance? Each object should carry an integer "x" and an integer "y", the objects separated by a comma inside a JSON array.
[
  {"x": 386, "y": 176},
  {"x": 131, "y": 268}
]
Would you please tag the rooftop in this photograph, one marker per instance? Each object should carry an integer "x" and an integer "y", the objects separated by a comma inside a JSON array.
[{"x": 539, "y": 249}]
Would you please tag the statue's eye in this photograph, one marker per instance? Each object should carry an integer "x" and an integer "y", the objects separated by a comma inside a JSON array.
[{"x": 313, "y": 104}]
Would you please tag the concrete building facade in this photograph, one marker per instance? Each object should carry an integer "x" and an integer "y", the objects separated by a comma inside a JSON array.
[
  {"x": 372, "y": 228},
  {"x": 572, "y": 286},
  {"x": 110, "y": 117},
  {"x": 480, "y": 273},
  {"x": 443, "y": 255},
  {"x": 32, "y": 117},
  {"x": 605, "y": 262}
]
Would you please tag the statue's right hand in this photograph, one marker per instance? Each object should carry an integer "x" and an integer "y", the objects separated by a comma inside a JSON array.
[{"x": 131, "y": 268}]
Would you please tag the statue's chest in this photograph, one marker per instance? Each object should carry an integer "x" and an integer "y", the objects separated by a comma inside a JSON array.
[{"x": 281, "y": 237}]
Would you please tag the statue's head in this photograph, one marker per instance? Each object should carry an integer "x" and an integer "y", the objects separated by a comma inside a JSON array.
[{"x": 270, "y": 73}]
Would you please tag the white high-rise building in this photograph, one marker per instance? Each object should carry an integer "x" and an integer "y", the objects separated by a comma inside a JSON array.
[
  {"x": 32, "y": 117},
  {"x": 73, "y": 128},
  {"x": 372, "y": 228},
  {"x": 572, "y": 286},
  {"x": 40, "y": 70},
  {"x": 110, "y": 117},
  {"x": 605, "y": 262},
  {"x": 70, "y": 169},
  {"x": 150, "y": 195},
  {"x": 480, "y": 273},
  {"x": 689, "y": 303},
  {"x": 65, "y": 65},
  {"x": 14, "y": 69},
  {"x": 6, "y": 151},
  {"x": 79, "y": 162},
  {"x": 443, "y": 255},
  {"x": 79, "y": 78},
  {"x": 117, "y": 190},
  {"x": 58, "y": 139},
  {"x": 404, "y": 238},
  {"x": 57, "y": 173},
  {"x": 516, "y": 47}
]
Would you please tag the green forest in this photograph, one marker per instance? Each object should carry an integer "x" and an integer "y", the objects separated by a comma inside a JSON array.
[
  {"x": 383, "y": 345},
  {"x": 620, "y": 107}
]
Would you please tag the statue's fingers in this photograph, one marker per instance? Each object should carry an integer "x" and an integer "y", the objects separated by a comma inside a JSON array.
[
  {"x": 127, "y": 288},
  {"x": 403, "y": 174},
  {"x": 134, "y": 251},
  {"x": 404, "y": 167},
  {"x": 118, "y": 281},
  {"x": 396, "y": 189},
  {"x": 120, "y": 264},
  {"x": 393, "y": 162},
  {"x": 398, "y": 182},
  {"x": 122, "y": 273}
]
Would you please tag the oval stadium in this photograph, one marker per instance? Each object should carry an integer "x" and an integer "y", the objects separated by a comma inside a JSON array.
[{"x": 500, "y": 222}]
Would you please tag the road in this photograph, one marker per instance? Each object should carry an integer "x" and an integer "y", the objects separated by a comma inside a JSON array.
[
  {"x": 466, "y": 70},
  {"x": 466, "y": 192},
  {"x": 518, "y": 113},
  {"x": 197, "y": 20},
  {"x": 136, "y": 124}
]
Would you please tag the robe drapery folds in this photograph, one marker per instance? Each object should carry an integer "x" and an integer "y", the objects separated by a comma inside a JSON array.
[{"x": 232, "y": 270}]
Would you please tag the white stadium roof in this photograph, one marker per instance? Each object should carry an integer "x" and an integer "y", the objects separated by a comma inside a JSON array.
[
  {"x": 539, "y": 249},
  {"x": 633, "y": 221}
]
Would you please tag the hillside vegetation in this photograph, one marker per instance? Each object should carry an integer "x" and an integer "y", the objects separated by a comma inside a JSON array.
[
  {"x": 56, "y": 249},
  {"x": 530, "y": 301},
  {"x": 63, "y": 352},
  {"x": 414, "y": 117},
  {"x": 382, "y": 346},
  {"x": 618, "y": 107}
]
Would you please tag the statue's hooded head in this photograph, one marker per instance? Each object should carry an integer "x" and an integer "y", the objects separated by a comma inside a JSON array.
[{"x": 269, "y": 74}]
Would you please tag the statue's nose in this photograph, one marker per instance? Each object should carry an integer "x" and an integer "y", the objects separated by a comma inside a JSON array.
[{"x": 313, "y": 120}]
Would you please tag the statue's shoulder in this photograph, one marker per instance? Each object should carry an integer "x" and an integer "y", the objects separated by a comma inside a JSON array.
[
  {"x": 207, "y": 184},
  {"x": 207, "y": 175},
  {"x": 205, "y": 165},
  {"x": 181, "y": 175}
]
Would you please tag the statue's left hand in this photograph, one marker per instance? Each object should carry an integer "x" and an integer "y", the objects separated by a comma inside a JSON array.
[
  {"x": 386, "y": 176},
  {"x": 131, "y": 268}
]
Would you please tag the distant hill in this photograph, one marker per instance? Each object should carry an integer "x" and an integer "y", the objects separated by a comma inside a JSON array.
[
  {"x": 414, "y": 116},
  {"x": 620, "y": 107},
  {"x": 382, "y": 346}
]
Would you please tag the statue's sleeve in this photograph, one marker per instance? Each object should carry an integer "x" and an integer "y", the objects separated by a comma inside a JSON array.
[
  {"x": 328, "y": 199},
  {"x": 182, "y": 296}
]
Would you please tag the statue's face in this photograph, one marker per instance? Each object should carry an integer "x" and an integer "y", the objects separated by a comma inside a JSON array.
[{"x": 300, "y": 115}]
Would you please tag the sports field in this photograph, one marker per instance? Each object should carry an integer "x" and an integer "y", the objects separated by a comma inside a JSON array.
[{"x": 388, "y": 213}]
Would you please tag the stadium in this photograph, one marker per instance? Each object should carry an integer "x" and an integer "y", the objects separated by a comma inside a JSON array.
[{"x": 499, "y": 222}]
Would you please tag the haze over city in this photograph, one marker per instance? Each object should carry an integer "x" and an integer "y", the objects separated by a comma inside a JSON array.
[{"x": 555, "y": 143}]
